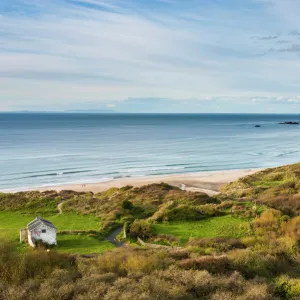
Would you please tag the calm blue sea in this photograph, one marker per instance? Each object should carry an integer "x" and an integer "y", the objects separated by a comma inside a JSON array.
[{"x": 48, "y": 149}]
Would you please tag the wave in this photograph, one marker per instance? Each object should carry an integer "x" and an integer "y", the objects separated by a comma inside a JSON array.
[
  {"x": 41, "y": 171},
  {"x": 45, "y": 156},
  {"x": 76, "y": 172},
  {"x": 150, "y": 169},
  {"x": 178, "y": 165},
  {"x": 55, "y": 174},
  {"x": 286, "y": 153},
  {"x": 255, "y": 153},
  {"x": 118, "y": 177}
]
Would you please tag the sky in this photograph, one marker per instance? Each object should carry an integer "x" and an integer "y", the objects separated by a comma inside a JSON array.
[{"x": 150, "y": 55}]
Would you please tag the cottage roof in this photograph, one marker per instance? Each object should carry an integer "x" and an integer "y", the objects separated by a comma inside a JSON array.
[{"x": 38, "y": 221}]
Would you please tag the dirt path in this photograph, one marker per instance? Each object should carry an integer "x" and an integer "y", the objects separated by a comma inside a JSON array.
[
  {"x": 112, "y": 237},
  {"x": 59, "y": 206}
]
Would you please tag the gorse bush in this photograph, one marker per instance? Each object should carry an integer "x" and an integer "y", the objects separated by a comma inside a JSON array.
[
  {"x": 141, "y": 229},
  {"x": 219, "y": 244},
  {"x": 165, "y": 239},
  {"x": 135, "y": 273},
  {"x": 16, "y": 268},
  {"x": 268, "y": 221}
]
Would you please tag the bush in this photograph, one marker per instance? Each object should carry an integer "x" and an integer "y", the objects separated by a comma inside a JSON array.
[
  {"x": 165, "y": 239},
  {"x": 184, "y": 213},
  {"x": 213, "y": 264},
  {"x": 220, "y": 244},
  {"x": 141, "y": 264},
  {"x": 252, "y": 264},
  {"x": 141, "y": 229},
  {"x": 209, "y": 210},
  {"x": 226, "y": 204},
  {"x": 288, "y": 288},
  {"x": 16, "y": 268},
  {"x": 293, "y": 228},
  {"x": 268, "y": 221},
  {"x": 127, "y": 204}
]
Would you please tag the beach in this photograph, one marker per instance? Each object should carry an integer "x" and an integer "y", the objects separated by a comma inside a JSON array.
[
  {"x": 207, "y": 182},
  {"x": 46, "y": 150}
]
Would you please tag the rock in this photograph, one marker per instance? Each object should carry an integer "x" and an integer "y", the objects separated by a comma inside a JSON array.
[{"x": 289, "y": 123}]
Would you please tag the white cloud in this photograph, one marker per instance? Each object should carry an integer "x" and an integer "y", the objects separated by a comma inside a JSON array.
[{"x": 114, "y": 50}]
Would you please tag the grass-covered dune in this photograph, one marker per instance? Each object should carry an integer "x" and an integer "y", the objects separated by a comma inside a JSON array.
[
  {"x": 278, "y": 188},
  {"x": 88, "y": 217},
  {"x": 243, "y": 244}
]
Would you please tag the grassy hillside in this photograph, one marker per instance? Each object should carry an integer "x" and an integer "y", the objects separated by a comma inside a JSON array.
[
  {"x": 144, "y": 202},
  {"x": 91, "y": 216},
  {"x": 223, "y": 226},
  {"x": 243, "y": 244},
  {"x": 278, "y": 188}
]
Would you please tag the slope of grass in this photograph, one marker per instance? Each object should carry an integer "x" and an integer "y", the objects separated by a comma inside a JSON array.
[
  {"x": 82, "y": 244},
  {"x": 12, "y": 222},
  {"x": 278, "y": 188},
  {"x": 224, "y": 226}
]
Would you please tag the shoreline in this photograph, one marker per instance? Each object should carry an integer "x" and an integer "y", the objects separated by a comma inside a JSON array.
[{"x": 208, "y": 182}]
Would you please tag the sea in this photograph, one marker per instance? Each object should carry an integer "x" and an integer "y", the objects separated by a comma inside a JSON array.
[{"x": 46, "y": 149}]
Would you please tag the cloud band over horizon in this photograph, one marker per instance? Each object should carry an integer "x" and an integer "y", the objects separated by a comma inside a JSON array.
[{"x": 202, "y": 55}]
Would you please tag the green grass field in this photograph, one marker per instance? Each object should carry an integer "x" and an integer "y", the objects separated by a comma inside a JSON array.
[
  {"x": 82, "y": 244},
  {"x": 11, "y": 223},
  {"x": 224, "y": 226}
]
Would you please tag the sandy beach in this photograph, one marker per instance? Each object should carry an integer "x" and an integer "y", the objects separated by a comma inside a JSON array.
[{"x": 208, "y": 182}]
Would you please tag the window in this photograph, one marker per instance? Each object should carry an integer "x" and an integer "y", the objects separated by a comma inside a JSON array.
[{"x": 43, "y": 230}]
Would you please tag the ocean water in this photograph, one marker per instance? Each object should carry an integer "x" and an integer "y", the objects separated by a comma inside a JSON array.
[{"x": 48, "y": 149}]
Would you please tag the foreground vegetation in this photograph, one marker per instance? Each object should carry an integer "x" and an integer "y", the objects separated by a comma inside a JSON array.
[{"x": 243, "y": 244}]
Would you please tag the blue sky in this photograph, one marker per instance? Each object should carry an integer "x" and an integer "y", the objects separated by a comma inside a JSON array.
[{"x": 150, "y": 55}]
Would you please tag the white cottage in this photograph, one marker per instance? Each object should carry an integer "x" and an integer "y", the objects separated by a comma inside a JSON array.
[{"x": 39, "y": 230}]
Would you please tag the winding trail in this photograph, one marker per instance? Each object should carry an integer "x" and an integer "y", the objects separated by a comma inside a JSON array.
[
  {"x": 112, "y": 237},
  {"x": 59, "y": 208}
]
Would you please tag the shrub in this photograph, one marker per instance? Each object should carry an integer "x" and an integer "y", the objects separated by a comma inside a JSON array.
[
  {"x": 293, "y": 228},
  {"x": 165, "y": 239},
  {"x": 226, "y": 204},
  {"x": 126, "y": 188},
  {"x": 111, "y": 262},
  {"x": 268, "y": 221},
  {"x": 213, "y": 264},
  {"x": 127, "y": 204},
  {"x": 141, "y": 264},
  {"x": 252, "y": 264},
  {"x": 184, "y": 213},
  {"x": 142, "y": 229},
  {"x": 221, "y": 244},
  {"x": 288, "y": 288},
  {"x": 209, "y": 210},
  {"x": 15, "y": 268}
]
